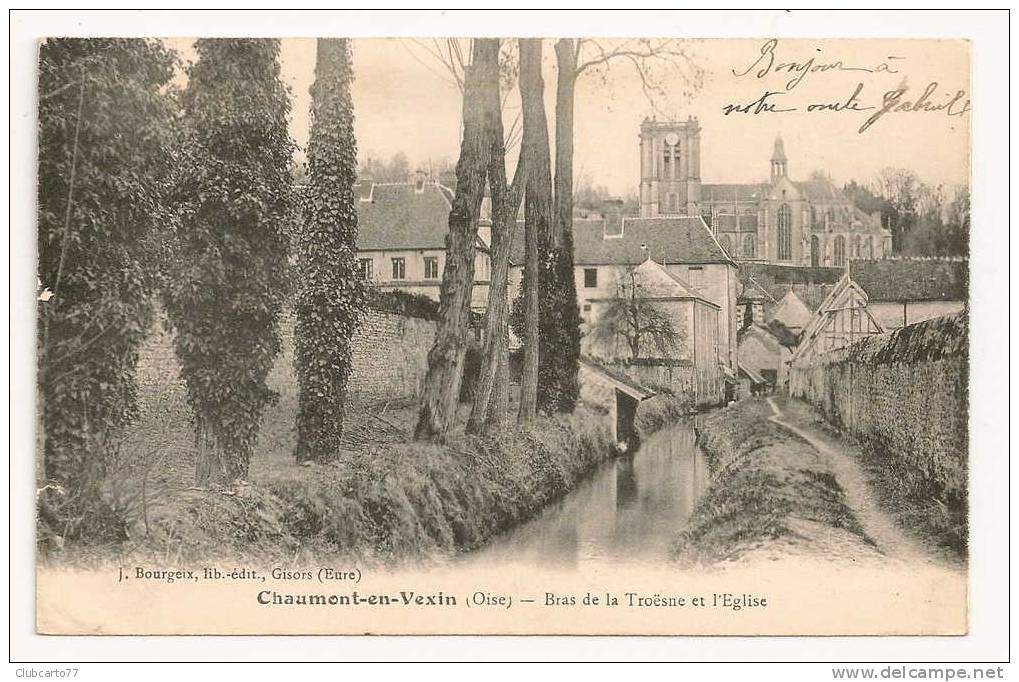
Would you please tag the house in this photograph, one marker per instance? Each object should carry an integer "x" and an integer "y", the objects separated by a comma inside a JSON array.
[
  {"x": 606, "y": 249},
  {"x": 691, "y": 363},
  {"x": 750, "y": 305},
  {"x": 752, "y": 383},
  {"x": 904, "y": 291},
  {"x": 619, "y": 395},
  {"x": 765, "y": 351},
  {"x": 842, "y": 319},
  {"x": 401, "y": 241},
  {"x": 791, "y": 312},
  {"x": 809, "y": 284}
]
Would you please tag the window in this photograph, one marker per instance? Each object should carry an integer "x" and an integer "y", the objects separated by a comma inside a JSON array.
[
  {"x": 815, "y": 251},
  {"x": 839, "y": 259},
  {"x": 590, "y": 278},
  {"x": 870, "y": 247},
  {"x": 587, "y": 312},
  {"x": 749, "y": 246},
  {"x": 856, "y": 246},
  {"x": 673, "y": 203},
  {"x": 364, "y": 266},
  {"x": 399, "y": 268},
  {"x": 431, "y": 267},
  {"x": 785, "y": 233},
  {"x": 695, "y": 275}
]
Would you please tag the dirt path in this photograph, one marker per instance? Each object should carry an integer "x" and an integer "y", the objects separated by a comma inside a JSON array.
[{"x": 891, "y": 540}]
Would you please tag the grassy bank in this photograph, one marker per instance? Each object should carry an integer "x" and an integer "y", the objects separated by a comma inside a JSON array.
[
  {"x": 389, "y": 498},
  {"x": 916, "y": 502},
  {"x": 382, "y": 502},
  {"x": 767, "y": 485}
]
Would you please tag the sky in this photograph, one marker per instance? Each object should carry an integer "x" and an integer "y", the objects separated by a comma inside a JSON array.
[{"x": 405, "y": 102}]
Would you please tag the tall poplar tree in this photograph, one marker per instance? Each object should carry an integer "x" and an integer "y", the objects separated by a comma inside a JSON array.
[
  {"x": 330, "y": 294},
  {"x": 441, "y": 389},
  {"x": 537, "y": 216},
  {"x": 226, "y": 292},
  {"x": 105, "y": 137}
]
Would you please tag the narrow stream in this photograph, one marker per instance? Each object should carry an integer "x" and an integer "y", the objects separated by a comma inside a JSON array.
[{"x": 627, "y": 512}]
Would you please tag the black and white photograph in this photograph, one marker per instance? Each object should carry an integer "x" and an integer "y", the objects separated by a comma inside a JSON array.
[{"x": 561, "y": 334}]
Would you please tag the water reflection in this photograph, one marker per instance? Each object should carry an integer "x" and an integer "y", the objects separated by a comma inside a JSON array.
[{"x": 628, "y": 512}]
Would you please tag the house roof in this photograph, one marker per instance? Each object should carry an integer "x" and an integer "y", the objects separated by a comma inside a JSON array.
[
  {"x": 618, "y": 379},
  {"x": 773, "y": 334},
  {"x": 791, "y": 311},
  {"x": 811, "y": 285},
  {"x": 923, "y": 279},
  {"x": 676, "y": 286},
  {"x": 784, "y": 334},
  {"x": 751, "y": 374},
  {"x": 392, "y": 216},
  {"x": 676, "y": 239},
  {"x": 751, "y": 294}
]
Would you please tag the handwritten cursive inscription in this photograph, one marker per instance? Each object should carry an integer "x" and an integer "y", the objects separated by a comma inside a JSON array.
[
  {"x": 767, "y": 63},
  {"x": 954, "y": 104}
]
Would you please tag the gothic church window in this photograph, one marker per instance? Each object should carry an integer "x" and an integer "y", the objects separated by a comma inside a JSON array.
[
  {"x": 749, "y": 247},
  {"x": 815, "y": 251},
  {"x": 785, "y": 233},
  {"x": 839, "y": 259}
]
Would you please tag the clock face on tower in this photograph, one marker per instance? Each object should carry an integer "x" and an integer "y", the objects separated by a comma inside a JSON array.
[{"x": 672, "y": 139}]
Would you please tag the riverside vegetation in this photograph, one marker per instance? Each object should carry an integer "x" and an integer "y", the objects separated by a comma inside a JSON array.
[
  {"x": 769, "y": 485},
  {"x": 386, "y": 499}
]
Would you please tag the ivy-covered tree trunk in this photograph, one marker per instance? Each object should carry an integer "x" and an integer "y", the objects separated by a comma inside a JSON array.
[
  {"x": 330, "y": 295},
  {"x": 105, "y": 133},
  {"x": 441, "y": 388},
  {"x": 226, "y": 292},
  {"x": 537, "y": 213},
  {"x": 558, "y": 387}
]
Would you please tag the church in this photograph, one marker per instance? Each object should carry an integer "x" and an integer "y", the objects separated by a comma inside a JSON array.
[{"x": 781, "y": 221}]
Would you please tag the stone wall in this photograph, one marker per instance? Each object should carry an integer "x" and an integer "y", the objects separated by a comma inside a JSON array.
[
  {"x": 389, "y": 359},
  {"x": 904, "y": 393}
]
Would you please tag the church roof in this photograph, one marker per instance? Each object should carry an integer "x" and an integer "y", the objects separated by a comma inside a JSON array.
[
  {"x": 921, "y": 279},
  {"x": 779, "y": 153},
  {"x": 748, "y": 192},
  {"x": 820, "y": 191},
  {"x": 393, "y": 216}
]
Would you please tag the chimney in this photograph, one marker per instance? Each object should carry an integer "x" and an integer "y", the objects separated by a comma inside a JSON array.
[{"x": 612, "y": 212}]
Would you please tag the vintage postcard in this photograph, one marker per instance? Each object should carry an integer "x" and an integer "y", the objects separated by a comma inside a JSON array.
[{"x": 562, "y": 335}]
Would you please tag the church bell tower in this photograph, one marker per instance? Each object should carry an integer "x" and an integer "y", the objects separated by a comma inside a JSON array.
[
  {"x": 670, "y": 167},
  {"x": 778, "y": 160}
]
